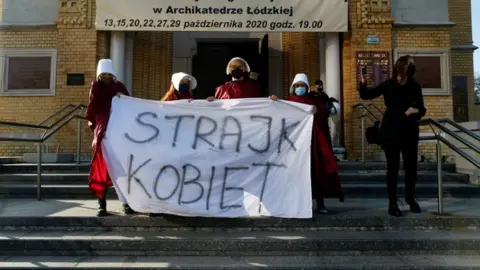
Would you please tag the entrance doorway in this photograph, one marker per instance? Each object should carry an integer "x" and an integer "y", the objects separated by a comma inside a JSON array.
[{"x": 210, "y": 63}]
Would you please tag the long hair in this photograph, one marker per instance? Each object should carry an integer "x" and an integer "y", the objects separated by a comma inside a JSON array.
[
  {"x": 400, "y": 69},
  {"x": 170, "y": 92}
]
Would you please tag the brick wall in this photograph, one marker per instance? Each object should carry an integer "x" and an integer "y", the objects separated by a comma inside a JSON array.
[
  {"x": 300, "y": 55},
  {"x": 462, "y": 61},
  {"x": 76, "y": 45}
]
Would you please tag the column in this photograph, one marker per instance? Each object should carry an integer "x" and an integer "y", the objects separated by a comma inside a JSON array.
[
  {"x": 117, "y": 53},
  {"x": 321, "y": 46},
  {"x": 129, "y": 61},
  {"x": 332, "y": 82}
]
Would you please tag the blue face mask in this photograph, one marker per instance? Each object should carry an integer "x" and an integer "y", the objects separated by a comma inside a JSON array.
[
  {"x": 300, "y": 91},
  {"x": 184, "y": 88}
]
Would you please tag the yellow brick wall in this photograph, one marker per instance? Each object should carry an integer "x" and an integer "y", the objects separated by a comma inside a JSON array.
[
  {"x": 152, "y": 64},
  {"x": 300, "y": 55},
  {"x": 353, "y": 42},
  {"x": 462, "y": 61},
  {"x": 76, "y": 52}
]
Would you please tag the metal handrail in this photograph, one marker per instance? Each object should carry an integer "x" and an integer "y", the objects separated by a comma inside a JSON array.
[
  {"x": 41, "y": 124},
  {"x": 50, "y": 131}
]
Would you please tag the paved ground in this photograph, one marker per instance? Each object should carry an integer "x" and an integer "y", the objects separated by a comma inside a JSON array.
[
  {"x": 194, "y": 262},
  {"x": 351, "y": 207}
]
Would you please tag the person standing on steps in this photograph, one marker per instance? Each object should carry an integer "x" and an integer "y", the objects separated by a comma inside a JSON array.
[
  {"x": 240, "y": 86},
  {"x": 399, "y": 131},
  {"x": 103, "y": 89},
  {"x": 324, "y": 169}
]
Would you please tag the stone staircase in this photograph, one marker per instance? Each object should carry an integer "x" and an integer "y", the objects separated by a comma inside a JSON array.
[
  {"x": 18, "y": 180},
  {"x": 62, "y": 231},
  {"x": 348, "y": 239}
]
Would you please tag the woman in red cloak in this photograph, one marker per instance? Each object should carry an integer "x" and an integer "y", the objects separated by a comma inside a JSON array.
[
  {"x": 181, "y": 87},
  {"x": 103, "y": 89},
  {"x": 324, "y": 169},
  {"x": 240, "y": 86}
]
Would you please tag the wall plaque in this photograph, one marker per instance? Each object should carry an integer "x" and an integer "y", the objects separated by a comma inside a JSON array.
[
  {"x": 428, "y": 71},
  {"x": 377, "y": 65},
  {"x": 75, "y": 79},
  {"x": 460, "y": 98}
]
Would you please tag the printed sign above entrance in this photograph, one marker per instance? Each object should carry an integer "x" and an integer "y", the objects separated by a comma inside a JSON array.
[{"x": 223, "y": 15}]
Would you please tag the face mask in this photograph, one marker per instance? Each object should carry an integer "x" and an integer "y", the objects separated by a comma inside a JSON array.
[
  {"x": 320, "y": 89},
  {"x": 184, "y": 88},
  {"x": 237, "y": 73},
  {"x": 300, "y": 91},
  {"x": 411, "y": 70}
]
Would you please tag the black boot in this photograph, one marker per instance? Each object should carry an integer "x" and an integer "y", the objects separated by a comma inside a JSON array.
[
  {"x": 414, "y": 206},
  {"x": 321, "y": 206},
  {"x": 102, "y": 207},
  {"x": 127, "y": 210},
  {"x": 393, "y": 209}
]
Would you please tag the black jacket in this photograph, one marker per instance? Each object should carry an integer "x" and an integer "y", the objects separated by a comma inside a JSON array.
[{"x": 396, "y": 126}]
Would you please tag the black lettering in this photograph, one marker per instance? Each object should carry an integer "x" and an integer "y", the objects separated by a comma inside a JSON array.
[
  {"x": 268, "y": 165},
  {"x": 225, "y": 188},
  {"x": 140, "y": 122},
  {"x": 284, "y": 134},
  {"x": 131, "y": 175},
  {"x": 202, "y": 136},
  {"x": 193, "y": 181},
  {"x": 177, "y": 125},
  {"x": 157, "y": 179},
  {"x": 238, "y": 133},
  {"x": 269, "y": 131},
  {"x": 210, "y": 184}
]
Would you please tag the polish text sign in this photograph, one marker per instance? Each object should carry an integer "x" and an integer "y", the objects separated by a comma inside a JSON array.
[
  {"x": 223, "y": 15},
  {"x": 228, "y": 158}
]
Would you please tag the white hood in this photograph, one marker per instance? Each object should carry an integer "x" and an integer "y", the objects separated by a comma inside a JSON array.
[
  {"x": 300, "y": 77},
  {"x": 105, "y": 66},
  {"x": 178, "y": 77},
  {"x": 238, "y": 58}
]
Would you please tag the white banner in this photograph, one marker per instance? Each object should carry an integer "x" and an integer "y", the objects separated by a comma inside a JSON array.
[
  {"x": 229, "y": 158},
  {"x": 223, "y": 15}
]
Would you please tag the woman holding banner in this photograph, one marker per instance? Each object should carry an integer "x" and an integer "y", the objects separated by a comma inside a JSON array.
[
  {"x": 103, "y": 89},
  {"x": 181, "y": 87},
  {"x": 324, "y": 169},
  {"x": 240, "y": 86}
]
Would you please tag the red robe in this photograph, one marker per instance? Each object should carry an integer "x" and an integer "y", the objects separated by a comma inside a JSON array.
[
  {"x": 238, "y": 89},
  {"x": 98, "y": 113},
  {"x": 177, "y": 96},
  {"x": 324, "y": 168}
]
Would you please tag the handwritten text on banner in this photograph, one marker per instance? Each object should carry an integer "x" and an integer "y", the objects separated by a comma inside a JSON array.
[
  {"x": 223, "y": 15},
  {"x": 230, "y": 158}
]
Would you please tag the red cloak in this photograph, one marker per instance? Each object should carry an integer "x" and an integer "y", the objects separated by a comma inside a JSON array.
[
  {"x": 98, "y": 113},
  {"x": 324, "y": 168},
  {"x": 238, "y": 89},
  {"x": 177, "y": 96}
]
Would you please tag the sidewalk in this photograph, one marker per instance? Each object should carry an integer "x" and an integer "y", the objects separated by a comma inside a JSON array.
[{"x": 351, "y": 207}]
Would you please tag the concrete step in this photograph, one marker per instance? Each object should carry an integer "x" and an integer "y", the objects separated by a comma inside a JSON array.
[
  {"x": 368, "y": 190},
  {"x": 65, "y": 243},
  {"x": 413, "y": 262},
  {"x": 80, "y": 178},
  {"x": 349, "y": 221},
  {"x": 84, "y": 167}
]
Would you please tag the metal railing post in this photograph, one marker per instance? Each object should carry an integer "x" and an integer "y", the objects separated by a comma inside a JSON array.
[
  {"x": 439, "y": 180},
  {"x": 363, "y": 139},
  {"x": 39, "y": 171},
  {"x": 79, "y": 139}
]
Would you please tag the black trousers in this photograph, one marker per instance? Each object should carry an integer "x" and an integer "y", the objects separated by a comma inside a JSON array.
[{"x": 409, "y": 153}]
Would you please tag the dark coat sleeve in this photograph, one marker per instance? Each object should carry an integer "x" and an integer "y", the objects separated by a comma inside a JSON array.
[
  {"x": 418, "y": 103},
  {"x": 372, "y": 93}
]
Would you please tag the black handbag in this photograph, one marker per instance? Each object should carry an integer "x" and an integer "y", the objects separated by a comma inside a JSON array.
[{"x": 372, "y": 133}]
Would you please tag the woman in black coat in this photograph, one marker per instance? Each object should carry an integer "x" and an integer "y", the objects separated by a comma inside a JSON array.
[{"x": 399, "y": 132}]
